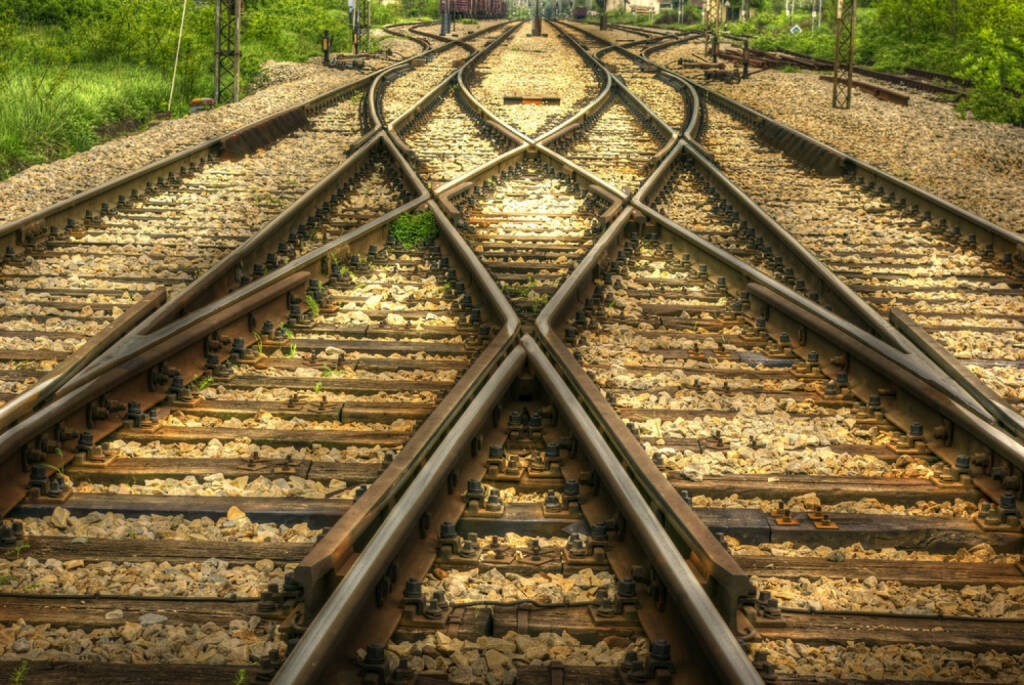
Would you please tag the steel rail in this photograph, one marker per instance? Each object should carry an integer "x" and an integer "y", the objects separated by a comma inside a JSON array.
[
  {"x": 715, "y": 637},
  {"x": 400, "y": 123},
  {"x": 494, "y": 167},
  {"x": 278, "y": 124},
  {"x": 214, "y": 282},
  {"x": 844, "y": 300},
  {"x": 469, "y": 68},
  {"x": 174, "y": 315},
  {"x": 724, "y": 581},
  {"x": 343, "y": 605},
  {"x": 826, "y": 159},
  {"x": 681, "y": 84},
  {"x": 318, "y": 569},
  {"x": 375, "y": 94},
  {"x": 928, "y": 385},
  {"x": 346, "y": 603},
  {"x": 829, "y": 161},
  {"x": 223, "y": 278},
  {"x": 684, "y": 87},
  {"x": 30, "y": 400},
  {"x": 106, "y": 377},
  {"x": 599, "y": 71},
  {"x": 396, "y": 129}
]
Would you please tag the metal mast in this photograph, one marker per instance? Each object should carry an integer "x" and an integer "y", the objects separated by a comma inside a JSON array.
[
  {"x": 842, "y": 71},
  {"x": 227, "y": 49},
  {"x": 362, "y": 38},
  {"x": 536, "y": 18}
]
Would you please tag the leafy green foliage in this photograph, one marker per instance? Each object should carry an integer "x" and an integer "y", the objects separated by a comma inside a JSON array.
[
  {"x": 412, "y": 229},
  {"x": 70, "y": 69},
  {"x": 980, "y": 40}
]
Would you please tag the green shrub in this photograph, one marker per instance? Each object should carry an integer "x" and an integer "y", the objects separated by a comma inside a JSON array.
[{"x": 413, "y": 229}]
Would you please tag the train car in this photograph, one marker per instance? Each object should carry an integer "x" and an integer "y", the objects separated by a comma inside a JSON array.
[
  {"x": 579, "y": 12},
  {"x": 461, "y": 8}
]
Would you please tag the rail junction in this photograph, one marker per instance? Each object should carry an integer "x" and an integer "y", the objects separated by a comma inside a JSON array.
[{"x": 625, "y": 416}]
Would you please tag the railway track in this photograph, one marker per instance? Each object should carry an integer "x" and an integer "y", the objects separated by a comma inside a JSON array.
[
  {"x": 529, "y": 219},
  {"x": 404, "y": 88},
  {"x": 449, "y": 138},
  {"x": 333, "y": 457},
  {"x": 867, "y": 537},
  {"x": 665, "y": 94},
  {"x": 167, "y": 547},
  {"x": 85, "y": 271},
  {"x": 65, "y": 282},
  {"x": 533, "y": 83},
  {"x": 511, "y": 563},
  {"x": 957, "y": 292},
  {"x": 618, "y": 141}
]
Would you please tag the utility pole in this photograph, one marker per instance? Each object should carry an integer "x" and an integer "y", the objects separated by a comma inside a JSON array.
[
  {"x": 227, "y": 49},
  {"x": 842, "y": 71},
  {"x": 446, "y": 20},
  {"x": 363, "y": 29},
  {"x": 712, "y": 26}
]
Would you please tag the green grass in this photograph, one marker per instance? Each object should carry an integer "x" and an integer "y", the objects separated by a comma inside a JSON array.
[
  {"x": 47, "y": 114},
  {"x": 75, "y": 72}
]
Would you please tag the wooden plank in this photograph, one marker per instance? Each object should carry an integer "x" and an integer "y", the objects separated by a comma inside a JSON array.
[
  {"x": 311, "y": 409},
  {"x": 123, "y": 469},
  {"x": 91, "y": 673},
  {"x": 355, "y": 386},
  {"x": 89, "y": 612},
  {"x": 969, "y": 635},
  {"x": 268, "y": 436},
  {"x": 94, "y": 550},
  {"x": 316, "y": 512},
  {"x": 830, "y": 489},
  {"x": 907, "y": 572},
  {"x": 943, "y": 535}
]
